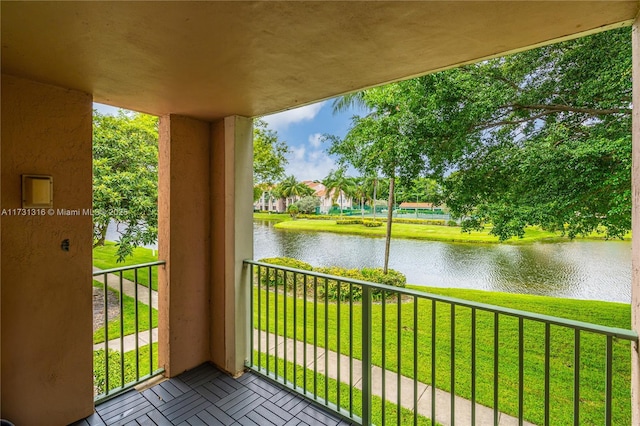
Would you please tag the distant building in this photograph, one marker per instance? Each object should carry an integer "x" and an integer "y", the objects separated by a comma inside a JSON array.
[
  {"x": 269, "y": 202},
  {"x": 418, "y": 206},
  {"x": 326, "y": 200}
]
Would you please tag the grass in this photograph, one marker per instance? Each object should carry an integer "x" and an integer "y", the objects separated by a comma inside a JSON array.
[
  {"x": 425, "y": 232},
  {"x": 393, "y": 348},
  {"x": 104, "y": 257},
  {"x": 115, "y": 372},
  {"x": 278, "y": 217},
  {"x": 129, "y": 308}
]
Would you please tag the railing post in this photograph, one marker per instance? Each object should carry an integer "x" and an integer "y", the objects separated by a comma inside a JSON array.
[{"x": 366, "y": 355}]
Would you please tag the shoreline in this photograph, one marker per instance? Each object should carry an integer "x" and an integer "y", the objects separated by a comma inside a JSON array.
[{"x": 424, "y": 232}]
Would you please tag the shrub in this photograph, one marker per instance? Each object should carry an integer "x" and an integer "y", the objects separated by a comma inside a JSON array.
[
  {"x": 452, "y": 223},
  {"x": 276, "y": 277},
  {"x": 392, "y": 277},
  {"x": 308, "y": 204},
  {"x": 329, "y": 287},
  {"x": 293, "y": 210},
  {"x": 349, "y": 222},
  {"x": 375, "y": 275},
  {"x": 316, "y": 216},
  {"x": 372, "y": 223},
  {"x": 287, "y": 261}
]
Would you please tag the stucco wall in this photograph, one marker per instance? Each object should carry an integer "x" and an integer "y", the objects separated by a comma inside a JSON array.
[
  {"x": 184, "y": 242},
  {"x": 46, "y": 292},
  {"x": 232, "y": 240}
]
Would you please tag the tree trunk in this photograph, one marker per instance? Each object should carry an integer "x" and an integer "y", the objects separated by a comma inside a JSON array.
[
  {"x": 103, "y": 236},
  {"x": 387, "y": 244},
  {"x": 362, "y": 207},
  {"x": 375, "y": 187}
]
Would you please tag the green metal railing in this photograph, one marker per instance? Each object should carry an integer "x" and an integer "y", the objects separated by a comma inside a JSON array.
[
  {"x": 316, "y": 333},
  {"x": 126, "y": 365}
]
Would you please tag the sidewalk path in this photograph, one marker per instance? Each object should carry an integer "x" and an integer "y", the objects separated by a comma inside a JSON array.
[
  {"x": 128, "y": 288},
  {"x": 129, "y": 342},
  {"x": 484, "y": 415}
]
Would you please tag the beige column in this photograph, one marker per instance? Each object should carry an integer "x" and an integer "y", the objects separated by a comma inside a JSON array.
[
  {"x": 47, "y": 362},
  {"x": 184, "y": 243},
  {"x": 232, "y": 240},
  {"x": 635, "y": 275}
]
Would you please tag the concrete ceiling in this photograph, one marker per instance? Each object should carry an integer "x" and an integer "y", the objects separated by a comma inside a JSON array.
[{"x": 214, "y": 59}]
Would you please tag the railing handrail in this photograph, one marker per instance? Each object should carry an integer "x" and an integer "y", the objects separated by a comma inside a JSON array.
[
  {"x": 621, "y": 333},
  {"x": 129, "y": 267}
]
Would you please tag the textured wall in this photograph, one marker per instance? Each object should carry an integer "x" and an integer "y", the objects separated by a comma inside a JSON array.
[
  {"x": 46, "y": 292},
  {"x": 232, "y": 231},
  {"x": 184, "y": 242}
]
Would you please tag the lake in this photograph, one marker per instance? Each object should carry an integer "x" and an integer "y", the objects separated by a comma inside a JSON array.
[{"x": 596, "y": 270}]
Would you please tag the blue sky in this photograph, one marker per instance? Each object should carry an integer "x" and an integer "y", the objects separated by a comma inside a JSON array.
[{"x": 302, "y": 129}]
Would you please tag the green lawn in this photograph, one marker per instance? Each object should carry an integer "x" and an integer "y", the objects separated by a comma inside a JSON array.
[
  {"x": 561, "y": 370},
  {"x": 129, "y": 360},
  {"x": 129, "y": 318},
  {"x": 279, "y": 217},
  {"x": 104, "y": 257},
  {"x": 423, "y": 232},
  {"x": 345, "y": 396}
]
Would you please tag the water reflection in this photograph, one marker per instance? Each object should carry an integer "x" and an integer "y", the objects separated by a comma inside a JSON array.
[{"x": 578, "y": 269}]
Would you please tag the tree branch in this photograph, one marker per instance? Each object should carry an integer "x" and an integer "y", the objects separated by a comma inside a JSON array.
[{"x": 569, "y": 108}]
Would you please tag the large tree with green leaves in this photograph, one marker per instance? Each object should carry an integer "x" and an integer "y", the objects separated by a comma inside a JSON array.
[
  {"x": 381, "y": 142},
  {"x": 537, "y": 138},
  {"x": 541, "y": 137},
  {"x": 125, "y": 179},
  {"x": 269, "y": 158}
]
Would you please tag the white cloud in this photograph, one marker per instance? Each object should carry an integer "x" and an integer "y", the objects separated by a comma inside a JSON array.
[
  {"x": 282, "y": 120},
  {"x": 297, "y": 153},
  {"x": 309, "y": 165},
  {"x": 315, "y": 140}
]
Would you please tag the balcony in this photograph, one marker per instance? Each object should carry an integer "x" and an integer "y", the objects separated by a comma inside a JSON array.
[
  {"x": 206, "y": 396},
  {"x": 332, "y": 350},
  {"x": 385, "y": 355}
]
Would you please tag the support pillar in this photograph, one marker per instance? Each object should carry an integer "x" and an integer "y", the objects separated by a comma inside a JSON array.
[
  {"x": 635, "y": 179},
  {"x": 232, "y": 240},
  {"x": 184, "y": 243},
  {"x": 46, "y": 302}
]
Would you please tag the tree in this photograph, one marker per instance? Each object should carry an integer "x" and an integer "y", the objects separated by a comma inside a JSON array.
[
  {"x": 537, "y": 138},
  {"x": 290, "y": 187},
  {"x": 307, "y": 204},
  {"x": 269, "y": 158},
  {"x": 293, "y": 210},
  {"x": 382, "y": 142},
  {"x": 361, "y": 191},
  {"x": 125, "y": 179},
  {"x": 339, "y": 185}
]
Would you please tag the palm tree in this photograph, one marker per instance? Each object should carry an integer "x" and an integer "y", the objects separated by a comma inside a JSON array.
[
  {"x": 290, "y": 187},
  {"x": 339, "y": 185}
]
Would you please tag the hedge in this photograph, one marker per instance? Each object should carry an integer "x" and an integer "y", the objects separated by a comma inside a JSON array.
[
  {"x": 349, "y": 222},
  {"x": 372, "y": 223},
  {"x": 329, "y": 287}
]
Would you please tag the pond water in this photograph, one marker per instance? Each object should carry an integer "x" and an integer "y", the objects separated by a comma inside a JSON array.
[{"x": 597, "y": 270}]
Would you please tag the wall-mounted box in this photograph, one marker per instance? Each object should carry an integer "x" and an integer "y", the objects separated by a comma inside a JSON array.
[{"x": 37, "y": 191}]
